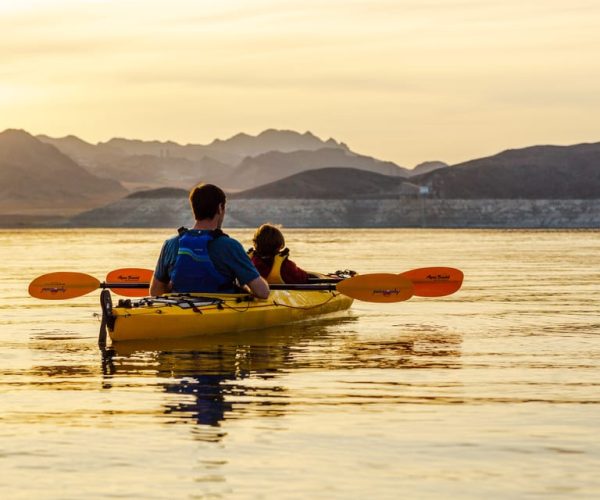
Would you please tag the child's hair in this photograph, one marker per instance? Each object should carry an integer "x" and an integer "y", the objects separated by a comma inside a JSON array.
[{"x": 268, "y": 240}]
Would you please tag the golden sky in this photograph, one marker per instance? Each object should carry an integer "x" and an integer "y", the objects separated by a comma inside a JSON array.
[{"x": 405, "y": 80}]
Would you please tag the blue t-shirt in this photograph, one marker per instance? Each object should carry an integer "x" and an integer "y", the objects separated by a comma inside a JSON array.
[{"x": 227, "y": 255}]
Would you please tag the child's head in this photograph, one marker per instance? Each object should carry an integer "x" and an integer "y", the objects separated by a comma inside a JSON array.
[{"x": 268, "y": 240}]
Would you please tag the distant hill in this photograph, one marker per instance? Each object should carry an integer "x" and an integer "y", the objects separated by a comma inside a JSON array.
[
  {"x": 272, "y": 166},
  {"x": 284, "y": 141},
  {"x": 538, "y": 172},
  {"x": 82, "y": 152},
  {"x": 153, "y": 171},
  {"x": 34, "y": 175},
  {"x": 332, "y": 183},
  {"x": 427, "y": 166},
  {"x": 154, "y": 194},
  {"x": 150, "y": 163}
]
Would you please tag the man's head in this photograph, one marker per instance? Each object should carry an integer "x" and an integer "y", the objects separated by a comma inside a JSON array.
[
  {"x": 268, "y": 240},
  {"x": 207, "y": 200}
]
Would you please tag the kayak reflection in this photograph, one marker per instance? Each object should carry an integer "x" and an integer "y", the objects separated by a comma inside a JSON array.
[
  {"x": 210, "y": 377},
  {"x": 208, "y": 380}
]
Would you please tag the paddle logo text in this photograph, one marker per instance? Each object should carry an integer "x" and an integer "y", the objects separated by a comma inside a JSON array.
[
  {"x": 128, "y": 277},
  {"x": 59, "y": 287},
  {"x": 438, "y": 277},
  {"x": 387, "y": 292}
]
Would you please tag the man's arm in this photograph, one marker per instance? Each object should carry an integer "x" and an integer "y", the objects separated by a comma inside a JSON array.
[
  {"x": 259, "y": 287},
  {"x": 234, "y": 257},
  {"x": 157, "y": 287}
]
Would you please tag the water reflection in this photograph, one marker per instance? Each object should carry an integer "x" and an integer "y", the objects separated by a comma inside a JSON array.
[
  {"x": 420, "y": 350},
  {"x": 208, "y": 380},
  {"x": 211, "y": 379}
]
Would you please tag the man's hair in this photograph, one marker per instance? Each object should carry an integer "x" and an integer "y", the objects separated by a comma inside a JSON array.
[
  {"x": 268, "y": 240},
  {"x": 205, "y": 200}
]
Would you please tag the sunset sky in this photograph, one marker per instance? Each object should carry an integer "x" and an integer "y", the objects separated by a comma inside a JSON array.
[{"x": 406, "y": 80}]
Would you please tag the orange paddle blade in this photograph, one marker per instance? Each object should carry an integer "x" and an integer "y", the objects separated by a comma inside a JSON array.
[
  {"x": 129, "y": 275},
  {"x": 59, "y": 286},
  {"x": 434, "y": 281},
  {"x": 378, "y": 287}
]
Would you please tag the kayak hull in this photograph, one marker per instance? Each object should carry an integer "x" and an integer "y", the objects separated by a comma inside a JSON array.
[{"x": 174, "y": 316}]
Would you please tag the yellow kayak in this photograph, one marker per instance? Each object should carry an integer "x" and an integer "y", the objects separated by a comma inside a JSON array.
[
  {"x": 173, "y": 316},
  {"x": 180, "y": 316}
]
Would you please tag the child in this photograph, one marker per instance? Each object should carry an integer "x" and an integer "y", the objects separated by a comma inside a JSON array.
[{"x": 271, "y": 258}]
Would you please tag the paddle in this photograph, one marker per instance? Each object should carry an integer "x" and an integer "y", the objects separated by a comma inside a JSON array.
[
  {"x": 377, "y": 287},
  {"x": 130, "y": 275},
  {"x": 130, "y": 282},
  {"x": 59, "y": 286},
  {"x": 366, "y": 287},
  {"x": 427, "y": 281},
  {"x": 434, "y": 281}
]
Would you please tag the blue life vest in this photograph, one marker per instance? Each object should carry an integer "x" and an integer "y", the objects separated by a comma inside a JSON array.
[{"x": 194, "y": 271}]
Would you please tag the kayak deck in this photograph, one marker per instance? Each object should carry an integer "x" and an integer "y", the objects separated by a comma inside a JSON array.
[{"x": 187, "y": 315}]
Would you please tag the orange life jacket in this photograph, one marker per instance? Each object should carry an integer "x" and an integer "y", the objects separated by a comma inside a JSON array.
[{"x": 274, "y": 276}]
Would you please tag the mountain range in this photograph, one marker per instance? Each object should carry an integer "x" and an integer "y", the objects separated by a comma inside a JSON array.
[
  {"x": 238, "y": 163},
  {"x": 51, "y": 175}
]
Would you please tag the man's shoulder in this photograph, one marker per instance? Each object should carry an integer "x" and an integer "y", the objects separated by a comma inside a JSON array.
[
  {"x": 170, "y": 247},
  {"x": 172, "y": 241},
  {"x": 224, "y": 240}
]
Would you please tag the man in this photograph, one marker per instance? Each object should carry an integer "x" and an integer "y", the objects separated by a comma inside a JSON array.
[{"x": 204, "y": 259}]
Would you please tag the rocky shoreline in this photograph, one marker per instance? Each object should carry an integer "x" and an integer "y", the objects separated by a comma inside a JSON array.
[
  {"x": 421, "y": 213},
  {"x": 375, "y": 213}
]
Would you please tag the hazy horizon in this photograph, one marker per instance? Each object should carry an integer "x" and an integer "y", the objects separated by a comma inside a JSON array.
[{"x": 405, "y": 81}]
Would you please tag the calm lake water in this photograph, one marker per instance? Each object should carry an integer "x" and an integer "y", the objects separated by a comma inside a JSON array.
[{"x": 493, "y": 392}]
